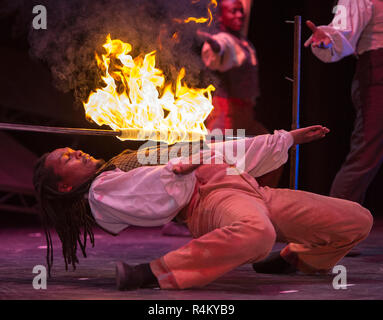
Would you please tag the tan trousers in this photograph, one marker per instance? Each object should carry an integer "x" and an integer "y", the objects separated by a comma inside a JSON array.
[{"x": 234, "y": 221}]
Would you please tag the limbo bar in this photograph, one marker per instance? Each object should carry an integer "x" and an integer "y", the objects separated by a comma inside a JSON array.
[
  {"x": 123, "y": 134},
  {"x": 77, "y": 131}
]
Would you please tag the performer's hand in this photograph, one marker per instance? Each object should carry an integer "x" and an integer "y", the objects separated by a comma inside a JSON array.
[
  {"x": 183, "y": 168},
  {"x": 319, "y": 39},
  {"x": 309, "y": 134},
  {"x": 204, "y": 36}
]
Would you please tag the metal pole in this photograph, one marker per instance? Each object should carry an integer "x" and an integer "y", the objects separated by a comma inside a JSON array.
[
  {"x": 294, "y": 151},
  {"x": 88, "y": 132},
  {"x": 78, "y": 131}
]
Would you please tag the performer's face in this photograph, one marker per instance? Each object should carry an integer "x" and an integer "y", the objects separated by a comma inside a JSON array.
[
  {"x": 73, "y": 167},
  {"x": 232, "y": 15}
]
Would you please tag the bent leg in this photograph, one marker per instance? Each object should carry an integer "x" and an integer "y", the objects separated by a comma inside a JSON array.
[
  {"x": 233, "y": 229},
  {"x": 319, "y": 230}
]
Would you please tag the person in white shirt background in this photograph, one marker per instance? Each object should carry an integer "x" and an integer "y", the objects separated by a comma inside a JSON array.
[
  {"x": 233, "y": 220},
  {"x": 357, "y": 29}
]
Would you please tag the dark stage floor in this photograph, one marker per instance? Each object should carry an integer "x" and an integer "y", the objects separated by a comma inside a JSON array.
[{"x": 22, "y": 248}]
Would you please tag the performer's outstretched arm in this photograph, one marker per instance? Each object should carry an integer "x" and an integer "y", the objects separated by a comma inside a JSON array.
[
  {"x": 258, "y": 155},
  {"x": 267, "y": 153},
  {"x": 222, "y": 52},
  {"x": 339, "y": 39}
]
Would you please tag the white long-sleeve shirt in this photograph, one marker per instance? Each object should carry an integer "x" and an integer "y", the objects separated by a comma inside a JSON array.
[
  {"x": 153, "y": 195},
  {"x": 236, "y": 65},
  {"x": 357, "y": 27},
  {"x": 234, "y": 53}
]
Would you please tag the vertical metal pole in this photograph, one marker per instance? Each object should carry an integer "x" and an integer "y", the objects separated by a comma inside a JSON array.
[{"x": 294, "y": 152}]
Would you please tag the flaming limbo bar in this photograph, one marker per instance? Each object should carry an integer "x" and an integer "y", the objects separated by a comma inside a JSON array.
[{"x": 123, "y": 134}]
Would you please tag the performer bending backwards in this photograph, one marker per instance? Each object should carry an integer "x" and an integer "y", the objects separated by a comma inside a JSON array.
[
  {"x": 357, "y": 29},
  {"x": 233, "y": 220}
]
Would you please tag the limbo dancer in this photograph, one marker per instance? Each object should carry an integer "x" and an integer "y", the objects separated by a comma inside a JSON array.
[
  {"x": 357, "y": 29},
  {"x": 233, "y": 220},
  {"x": 233, "y": 59}
]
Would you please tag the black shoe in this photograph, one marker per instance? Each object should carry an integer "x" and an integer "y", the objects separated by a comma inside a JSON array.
[
  {"x": 124, "y": 277},
  {"x": 130, "y": 278},
  {"x": 274, "y": 264}
]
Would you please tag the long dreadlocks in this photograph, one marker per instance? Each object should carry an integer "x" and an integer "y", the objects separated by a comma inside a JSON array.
[{"x": 67, "y": 212}]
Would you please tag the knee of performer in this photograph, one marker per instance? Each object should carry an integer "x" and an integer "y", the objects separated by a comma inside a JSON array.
[
  {"x": 260, "y": 239},
  {"x": 363, "y": 221}
]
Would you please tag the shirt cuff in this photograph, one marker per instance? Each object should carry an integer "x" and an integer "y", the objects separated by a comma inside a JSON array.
[
  {"x": 289, "y": 138},
  {"x": 340, "y": 48}
]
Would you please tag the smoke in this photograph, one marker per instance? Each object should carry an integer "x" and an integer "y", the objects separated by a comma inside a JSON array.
[{"x": 77, "y": 29}]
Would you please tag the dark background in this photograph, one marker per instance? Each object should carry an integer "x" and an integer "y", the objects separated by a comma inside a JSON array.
[
  {"x": 325, "y": 92},
  {"x": 28, "y": 96}
]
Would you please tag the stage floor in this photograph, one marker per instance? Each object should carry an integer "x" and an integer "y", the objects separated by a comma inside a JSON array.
[{"x": 22, "y": 248}]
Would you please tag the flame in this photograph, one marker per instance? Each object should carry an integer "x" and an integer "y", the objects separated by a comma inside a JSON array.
[
  {"x": 132, "y": 101},
  {"x": 175, "y": 37},
  {"x": 213, "y": 3},
  {"x": 196, "y": 20}
]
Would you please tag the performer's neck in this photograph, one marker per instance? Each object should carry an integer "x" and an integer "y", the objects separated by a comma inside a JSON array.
[{"x": 232, "y": 32}]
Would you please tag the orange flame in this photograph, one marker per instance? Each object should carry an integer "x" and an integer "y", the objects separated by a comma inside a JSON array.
[
  {"x": 213, "y": 3},
  {"x": 132, "y": 101},
  {"x": 175, "y": 37}
]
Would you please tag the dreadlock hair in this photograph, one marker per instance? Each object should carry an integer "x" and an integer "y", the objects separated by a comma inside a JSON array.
[{"x": 67, "y": 212}]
